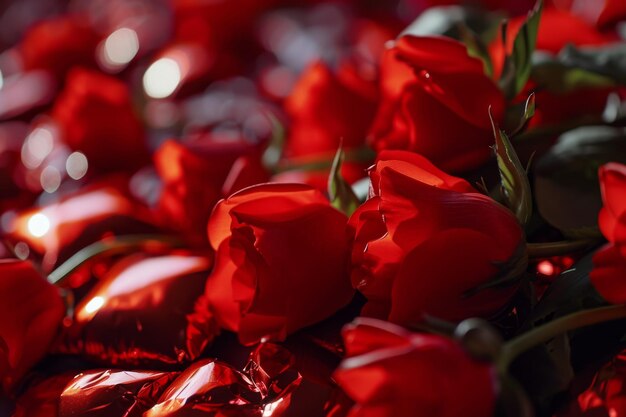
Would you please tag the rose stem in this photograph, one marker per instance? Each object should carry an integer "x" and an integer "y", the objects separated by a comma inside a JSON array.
[
  {"x": 110, "y": 246},
  {"x": 565, "y": 247},
  {"x": 520, "y": 344}
]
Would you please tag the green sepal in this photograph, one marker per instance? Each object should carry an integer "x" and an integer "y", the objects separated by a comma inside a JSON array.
[
  {"x": 340, "y": 193},
  {"x": 513, "y": 178},
  {"x": 518, "y": 65}
]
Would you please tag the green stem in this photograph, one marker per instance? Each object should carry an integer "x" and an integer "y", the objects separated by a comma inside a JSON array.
[
  {"x": 565, "y": 247},
  {"x": 112, "y": 246},
  {"x": 434, "y": 325},
  {"x": 363, "y": 154},
  {"x": 515, "y": 347}
]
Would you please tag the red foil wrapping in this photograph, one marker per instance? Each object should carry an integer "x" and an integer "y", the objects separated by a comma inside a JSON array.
[
  {"x": 207, "y": 388},
  {"x": 41, "y": 399},
  {"x": 212, "y": 388},
  {"x": 143, "y": 313},
  {"x": 606, "y": 395},
  {"x": 111, "y": 393},
  {"x": 57, "y": 231}
]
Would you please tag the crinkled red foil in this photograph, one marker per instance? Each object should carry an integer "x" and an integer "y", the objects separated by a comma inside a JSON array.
[
  {"x": 206, "y": 388},
  {"x": 143, "y": 313}
]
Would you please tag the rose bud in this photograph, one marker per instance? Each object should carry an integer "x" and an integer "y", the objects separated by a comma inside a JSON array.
[
  {"x": 215, "y": 389},
  {"x": 97, "y": 118},
  {"x": 430, "y": 82},
  {"x": 58, "y": 230},
  {"x": 31, "y": 311},
  {"x": 609, "y": 264},
  {"x": 426, "y": 241},
  {"x": 281, "y": 261},
  {"x": 58, "y": 44},
  {"x": 327, "y": 107},
  {"x": 196, "y": 175},
  {"x": 113, "y": 393},
  {"x": 142, "y": 312},
  {"x": 392, "y": 372}
]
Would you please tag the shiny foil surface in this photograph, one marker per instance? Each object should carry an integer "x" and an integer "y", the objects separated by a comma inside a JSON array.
[
  {"x": 143, "y": 313},
  {"x": 213, "y": 388},
  {"x": 113, "y": 393},
  {"x": 208, "y": 387}
]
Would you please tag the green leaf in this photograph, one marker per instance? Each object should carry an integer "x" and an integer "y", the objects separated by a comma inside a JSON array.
[
  {"x": 567, "y": 190},
  {"x": 528, "y": 113},
  {"x": 529, "y": 108},
  {"x": 339, "y": 191},
  {"x": 476, "y": 47},
  {"x": 557, "y": 77},
  {"x": 544, "y": 372},
  {"x": 570, "y": 292},
  {"x": 513, "y": 178},
  {"x": 518, "y": 65},
  {"x": 324, "y": 161},
  {"x": 609, "y": 61}
]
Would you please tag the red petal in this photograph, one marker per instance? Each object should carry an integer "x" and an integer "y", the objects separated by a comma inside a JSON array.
[
  {"x": 437, "y": 274},
  {"x": 609, "y": 274},
  {"x": 437, "y": 54}
]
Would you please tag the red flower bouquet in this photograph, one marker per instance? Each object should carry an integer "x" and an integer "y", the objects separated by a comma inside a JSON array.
[{"x": 315, "y": 208}]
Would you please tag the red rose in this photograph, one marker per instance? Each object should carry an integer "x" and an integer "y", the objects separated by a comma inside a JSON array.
[
  {"x": 424, "y": 239},
  {"x": 325, "y": 107},
  {"x": 609, "y": 263},
  {"x": 557, "y": 28},
  {"x": 31, "y": 311},
  {"x": 196, "y": 175},
  {"x": 612, "y": 12},
  {"x": 96, "y": 117},
  {"x": 391, "y": 372},
  {"x": 58, "y": 44},
  {"x": 281, "y": 261},
  {"x": 435, "y": 102}
]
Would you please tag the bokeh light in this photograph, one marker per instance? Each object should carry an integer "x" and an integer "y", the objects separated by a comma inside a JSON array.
[
  {"x": 162, "y": 78},
  {"x": 38, "y": 225}
]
